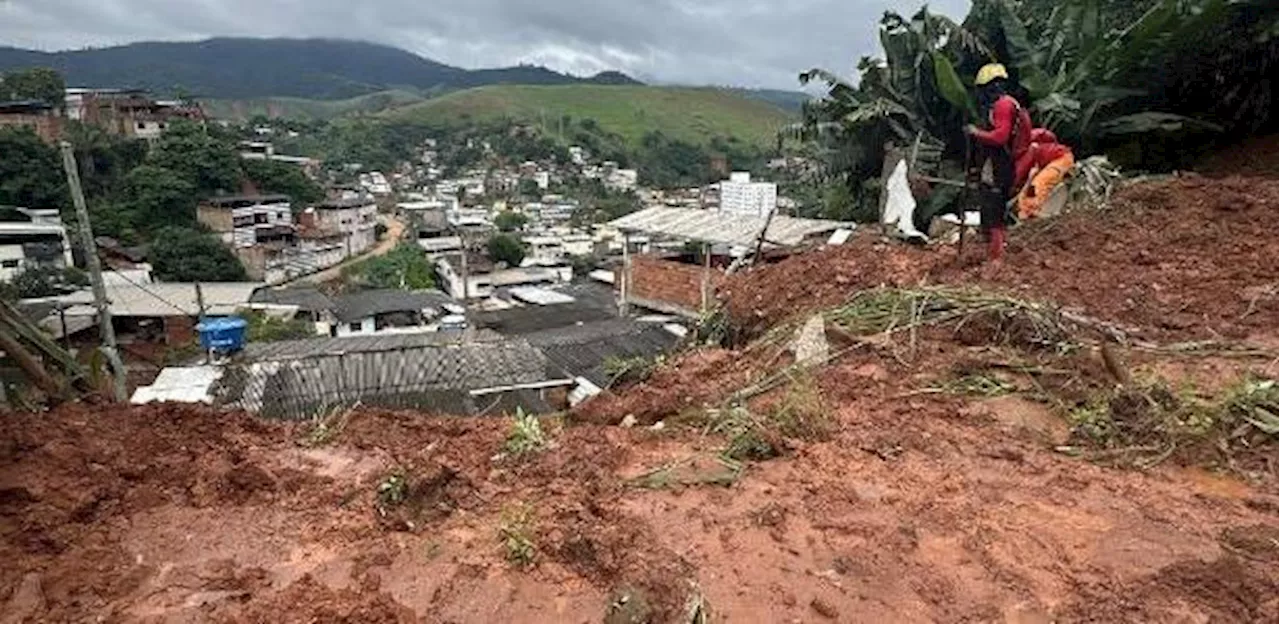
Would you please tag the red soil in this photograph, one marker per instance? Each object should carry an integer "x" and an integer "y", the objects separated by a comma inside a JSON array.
[{"x": 916, "y": 507}]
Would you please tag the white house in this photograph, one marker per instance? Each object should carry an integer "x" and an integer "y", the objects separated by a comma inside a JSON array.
[
  {"x": 32, "y": 238},
  {"x": 739, "y": 195}
]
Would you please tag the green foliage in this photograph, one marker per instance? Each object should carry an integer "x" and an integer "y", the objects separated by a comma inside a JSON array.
[
  {"x": 266, "y": 328},
  {"x": 628, "y": 370},
  {"x": 157, "y": 195},
  {"x": 525, "y": 435},
  {"x": 691, "y": 115},
  {"x": 1147, "y": 423},
  {"x": 35, "y": 83},
  {"x": 30, "y": 171},
  {"x": 206, "y": 160},
  {"x": 515, "y": 531},
  {"x": 104, "y": 158},
  {"x": 597, "y": 204},
  {"x": 405, "y": 267},
  {"x": 181, "y": 254},
  {"x": 392, "y": 490},
  {"x": 43, "y": 282},
  {"x": 273, "y": 176},
  {"x": 528, "y": 188},
  {"x": 510, "y": 221},
  {"x": 506, "y": 248}
]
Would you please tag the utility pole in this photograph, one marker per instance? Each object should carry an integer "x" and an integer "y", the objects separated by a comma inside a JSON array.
[{"x": 95, "y": 273}]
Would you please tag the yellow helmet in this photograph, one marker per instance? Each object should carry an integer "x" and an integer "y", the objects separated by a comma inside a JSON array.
[{"x": 990, "y": 72}]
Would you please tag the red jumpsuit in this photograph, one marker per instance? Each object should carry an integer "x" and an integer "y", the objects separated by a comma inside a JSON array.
[
  {"x": 1010, "y": 136},
  {"x": 1010, "y": 129}
]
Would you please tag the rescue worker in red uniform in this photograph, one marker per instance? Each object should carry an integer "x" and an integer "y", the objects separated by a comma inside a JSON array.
[{"x": 1006, "y": 146}]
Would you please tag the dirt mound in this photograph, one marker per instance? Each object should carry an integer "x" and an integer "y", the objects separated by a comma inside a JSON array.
[
  {"x": 1222, "y": 590},
  {"x": 692, "y": 381},
  {"x": 307, "y": 601},
  {"x": 1255, "y": 157},
  {"x": 758, "y": 299},
  {"x": 1185, "y": 258}
]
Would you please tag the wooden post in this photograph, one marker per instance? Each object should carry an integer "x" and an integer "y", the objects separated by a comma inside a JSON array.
[
  {"x": 706, "y": 277},
  {"x": 31, "y": 365},
  {"x": 108, "y": 332},
  {"x": 624, "y": 280}
]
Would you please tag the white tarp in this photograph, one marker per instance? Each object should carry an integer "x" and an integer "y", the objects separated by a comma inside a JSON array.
[{"x": 900, "y": 205}]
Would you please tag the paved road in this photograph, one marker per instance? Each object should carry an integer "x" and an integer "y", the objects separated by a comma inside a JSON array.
[{"x": 395, "y": 228}]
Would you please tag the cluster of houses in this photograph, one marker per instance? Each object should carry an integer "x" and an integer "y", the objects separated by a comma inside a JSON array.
[
  {"x": 275, "y": 245},
  {"x": 492, "y": 336},
  {"x": 122, "y": 112}
]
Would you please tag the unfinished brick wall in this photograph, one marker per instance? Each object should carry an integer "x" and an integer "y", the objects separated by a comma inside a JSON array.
[
  {"x": 675, "y": 284},
  {"x": 179, "y": 330}
]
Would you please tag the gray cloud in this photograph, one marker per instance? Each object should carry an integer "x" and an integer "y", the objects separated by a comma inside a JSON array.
[{"x": 755, "y": 43}]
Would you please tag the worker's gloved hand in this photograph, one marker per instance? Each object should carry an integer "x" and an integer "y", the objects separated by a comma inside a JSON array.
[{"x": 970, "y": 129}]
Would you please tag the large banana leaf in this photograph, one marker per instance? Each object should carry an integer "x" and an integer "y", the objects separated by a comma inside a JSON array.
[{"x": 950, "y": 87}]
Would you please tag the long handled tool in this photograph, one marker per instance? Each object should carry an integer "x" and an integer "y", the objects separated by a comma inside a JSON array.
[{"x": 965, "y": 194}]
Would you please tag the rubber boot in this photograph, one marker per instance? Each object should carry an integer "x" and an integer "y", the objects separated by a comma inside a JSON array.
[{"x": 995, "y": 246}]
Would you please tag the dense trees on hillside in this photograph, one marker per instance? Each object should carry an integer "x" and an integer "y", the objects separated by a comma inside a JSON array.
[
  {"x": 509, "y": 221},
  {"x": 140, "y": 195},
  {"x": 506, "y": 248},
  {"x": 35, "y": 83},
  {"x": 30, "y": 171},
  {"x": 181, "y": 254},
  {"x": 406, "y": 267}
]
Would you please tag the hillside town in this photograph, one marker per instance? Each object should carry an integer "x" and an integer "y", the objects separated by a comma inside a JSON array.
[{"x": 565, "y": 268}]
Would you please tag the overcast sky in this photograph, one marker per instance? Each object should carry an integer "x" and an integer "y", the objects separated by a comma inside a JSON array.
[{"x": 754, "y": 43}]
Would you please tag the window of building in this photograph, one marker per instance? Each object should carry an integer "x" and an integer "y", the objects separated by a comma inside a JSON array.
[
  {"x": 141, "y": 126},
  {"x": 356, "y": 327},
  {"x": 259, "y": 217},
  {"x": 280, "y": 216},
  {"x": 9, "y": 264}
]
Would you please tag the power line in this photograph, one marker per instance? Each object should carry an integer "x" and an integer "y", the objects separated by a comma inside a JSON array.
[{"x": 149, "y": 291}]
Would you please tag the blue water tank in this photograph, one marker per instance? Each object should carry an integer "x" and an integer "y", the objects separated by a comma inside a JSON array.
[{"x": 224, "y": 335}]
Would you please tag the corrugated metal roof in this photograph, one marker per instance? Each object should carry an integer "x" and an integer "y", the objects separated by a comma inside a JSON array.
[
  {"x": 363, "y": 304},
  {"x": 432, "y": 377},
  {"x": 166, "y": 298},
  {"x": 717, "y": 227},
  {"x": 311, "y": 347},
  {"x": 582, "y": 350}
]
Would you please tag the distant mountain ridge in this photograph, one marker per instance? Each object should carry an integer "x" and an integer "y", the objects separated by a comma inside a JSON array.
[{"x": 229, "y": 67}]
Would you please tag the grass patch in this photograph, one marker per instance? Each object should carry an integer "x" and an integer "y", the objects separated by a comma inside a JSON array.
[
  {"x": 799, "y": 414},
  {"x": 624, "y": 371},
  {"x": 1146, "y": 424},
  {"x": 689, "y": 114},
  {"x": 393, "y": 490},
  {"x": 525, "y": 436},
  {"x": 515, "y": 531},
  {"x": 326, "y": 425},
  {"x": 976, "y": 384}
]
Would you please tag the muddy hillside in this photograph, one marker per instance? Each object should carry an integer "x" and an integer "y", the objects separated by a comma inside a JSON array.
[{"x": 892, "y": 435}]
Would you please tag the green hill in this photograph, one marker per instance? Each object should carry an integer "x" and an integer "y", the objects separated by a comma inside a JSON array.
[
  {"x": 303, "y": 108},
  {"x": 694, "y": 115}
]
